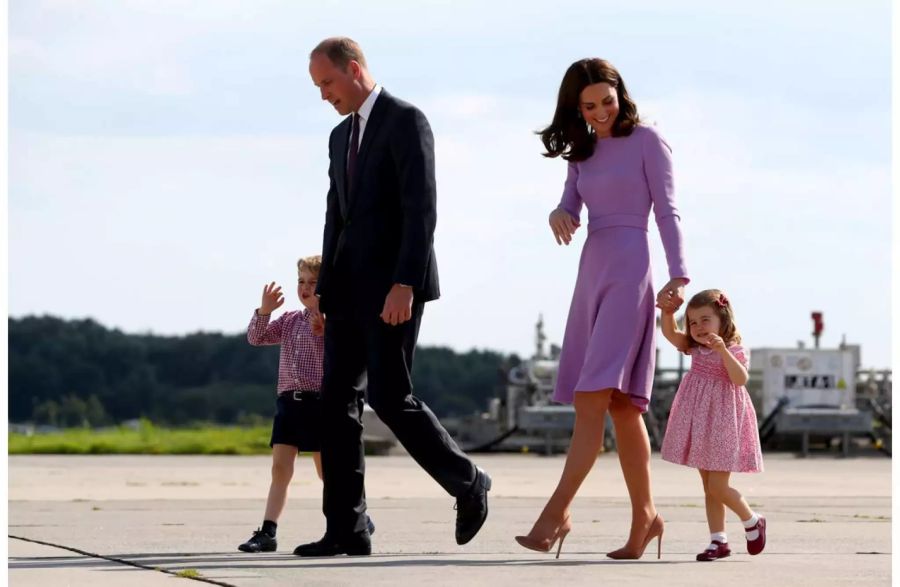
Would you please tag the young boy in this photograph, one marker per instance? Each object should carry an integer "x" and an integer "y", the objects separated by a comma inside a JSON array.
[{"x": 296, "y": 427}]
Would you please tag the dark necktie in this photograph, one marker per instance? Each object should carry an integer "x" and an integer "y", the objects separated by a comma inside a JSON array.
[{"x": 354, "y": 148}]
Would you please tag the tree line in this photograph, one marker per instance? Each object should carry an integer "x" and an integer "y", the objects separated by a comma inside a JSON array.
[{"x": 80, "y": 373}]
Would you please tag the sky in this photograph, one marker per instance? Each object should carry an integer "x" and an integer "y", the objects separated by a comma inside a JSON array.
[{"x": 168, "y": 158}]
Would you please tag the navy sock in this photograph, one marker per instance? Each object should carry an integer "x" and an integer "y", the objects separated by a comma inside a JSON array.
[{"x": 269, "y": 528}]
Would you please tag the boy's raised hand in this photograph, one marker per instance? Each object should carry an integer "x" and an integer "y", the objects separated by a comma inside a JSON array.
[{"x": 272, "y": 299}]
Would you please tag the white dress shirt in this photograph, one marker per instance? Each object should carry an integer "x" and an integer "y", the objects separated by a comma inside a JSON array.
[{"x": 365, "y": 111}]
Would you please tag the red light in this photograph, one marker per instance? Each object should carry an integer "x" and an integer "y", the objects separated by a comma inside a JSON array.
[{"x": 818, "y": 324}]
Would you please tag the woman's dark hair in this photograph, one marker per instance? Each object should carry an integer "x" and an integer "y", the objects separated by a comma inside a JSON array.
[{"x": 569, "y": 135}]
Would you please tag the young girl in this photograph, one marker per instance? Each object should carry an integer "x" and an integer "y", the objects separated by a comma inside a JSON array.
[{"x": 712, "y": 425}]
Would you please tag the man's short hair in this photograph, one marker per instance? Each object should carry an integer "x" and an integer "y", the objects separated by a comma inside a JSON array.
[{"x": 340, "y": 51}]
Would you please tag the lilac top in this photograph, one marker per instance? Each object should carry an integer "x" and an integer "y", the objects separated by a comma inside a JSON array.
[{"x": 620, "y": 181}]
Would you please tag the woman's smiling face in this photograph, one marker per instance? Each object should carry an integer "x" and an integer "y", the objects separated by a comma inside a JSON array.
[{"x": 599, "y": 107}]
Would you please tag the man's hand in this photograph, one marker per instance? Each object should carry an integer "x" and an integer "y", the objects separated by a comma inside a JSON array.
[
  {"x": 272, "y": 299},
  {"x": 397, "y": 305}
]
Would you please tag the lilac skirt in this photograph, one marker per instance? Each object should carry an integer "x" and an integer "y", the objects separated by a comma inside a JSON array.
[{"x": 609, "y": 340}]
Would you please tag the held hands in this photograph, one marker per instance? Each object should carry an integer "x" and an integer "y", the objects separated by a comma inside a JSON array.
[
  {"x": 397, "y": 305},
  {"x": 272, "y": 299},
  {"x": 671, "y": 296},
  {"x": 563, "y": 226}
]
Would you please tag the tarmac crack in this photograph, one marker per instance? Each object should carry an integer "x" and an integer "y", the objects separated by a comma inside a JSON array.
[{"x": 122, "y": 561}]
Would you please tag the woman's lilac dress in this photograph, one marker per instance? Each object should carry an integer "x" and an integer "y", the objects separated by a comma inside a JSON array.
[{"x": 609, "y": 340}]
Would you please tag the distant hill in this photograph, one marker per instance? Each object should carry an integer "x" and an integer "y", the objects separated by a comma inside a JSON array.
[{"x": 77, "y": 372}]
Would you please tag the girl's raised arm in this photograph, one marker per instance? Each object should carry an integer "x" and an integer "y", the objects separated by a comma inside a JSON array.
[{"x": 670, "y": 330}]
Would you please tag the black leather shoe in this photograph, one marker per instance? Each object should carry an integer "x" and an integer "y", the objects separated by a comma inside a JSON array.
[
  {"x": 259, "y": 542},
  {"x": 472, "y": 508},
  {"x": 353, "y": 545}
]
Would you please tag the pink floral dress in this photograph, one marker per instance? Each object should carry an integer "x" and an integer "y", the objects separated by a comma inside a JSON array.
[{"x": 712, "y": 424}]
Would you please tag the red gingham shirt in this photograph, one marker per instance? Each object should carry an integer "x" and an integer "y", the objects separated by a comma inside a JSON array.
[{"x": 302, "y": 352}]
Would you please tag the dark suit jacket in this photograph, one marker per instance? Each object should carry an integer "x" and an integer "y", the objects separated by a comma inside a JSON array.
[{"x": 381, "y": 232}]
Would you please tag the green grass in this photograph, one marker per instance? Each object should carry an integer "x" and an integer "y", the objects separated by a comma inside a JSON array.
[
  {"x": 189, "y": 573},
  {"x": 149, "y": 439}
]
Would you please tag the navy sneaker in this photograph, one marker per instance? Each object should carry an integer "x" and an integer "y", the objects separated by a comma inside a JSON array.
[{"x": 259, "y": 542}]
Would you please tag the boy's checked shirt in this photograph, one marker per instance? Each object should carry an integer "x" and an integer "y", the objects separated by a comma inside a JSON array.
[{"x": 302, "y": 352}]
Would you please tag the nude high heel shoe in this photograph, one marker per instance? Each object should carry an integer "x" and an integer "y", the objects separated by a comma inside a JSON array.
[
  {"x": 546, "y": 544},
  {"x": 656, "y": 529}
]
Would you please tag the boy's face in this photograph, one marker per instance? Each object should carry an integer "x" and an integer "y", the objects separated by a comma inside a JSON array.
[{"x": 306, "y": 289}]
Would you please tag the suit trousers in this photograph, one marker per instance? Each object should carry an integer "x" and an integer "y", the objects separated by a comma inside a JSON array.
[{"x": 367, "y": 355}]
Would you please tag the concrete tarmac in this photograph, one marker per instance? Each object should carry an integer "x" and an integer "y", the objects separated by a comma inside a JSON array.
[{"x": 143, "y": 520}]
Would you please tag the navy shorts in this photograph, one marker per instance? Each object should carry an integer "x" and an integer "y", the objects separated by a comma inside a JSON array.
[{"x": 298, "y": 420}]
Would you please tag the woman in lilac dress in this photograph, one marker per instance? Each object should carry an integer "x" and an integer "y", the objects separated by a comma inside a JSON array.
[{"x": 618, "y": 169}]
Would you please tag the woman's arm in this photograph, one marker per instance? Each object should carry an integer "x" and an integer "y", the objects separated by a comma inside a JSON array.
[
  {"x": 564, "y": 220},
  {"x": 571, "y": 200},
  {"x": 657, "y": 160}
]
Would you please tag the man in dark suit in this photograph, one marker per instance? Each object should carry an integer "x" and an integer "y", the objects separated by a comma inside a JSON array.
[{"x": 378, "y": 270}]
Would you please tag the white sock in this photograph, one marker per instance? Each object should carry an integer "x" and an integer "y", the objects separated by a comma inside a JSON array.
[
  {"x": 750, "y": 523},
  {"x": 717, "y": 536}
]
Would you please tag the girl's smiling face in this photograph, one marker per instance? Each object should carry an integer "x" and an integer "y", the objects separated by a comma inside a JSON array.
[{"x": 702, "y": 322}]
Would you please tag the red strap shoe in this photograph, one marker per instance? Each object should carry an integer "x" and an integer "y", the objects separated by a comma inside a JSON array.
[
  {"x": 757, "y": 546},
  {"x": 720, "y": 551}
]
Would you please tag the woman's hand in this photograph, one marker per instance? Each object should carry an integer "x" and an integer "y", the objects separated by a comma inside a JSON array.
[
  {"x": 671, "y": 296},
  {"x": 563, "y": 225}
]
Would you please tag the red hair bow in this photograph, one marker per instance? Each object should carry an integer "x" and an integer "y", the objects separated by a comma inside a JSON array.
[{"x": 722, "y": 301}]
